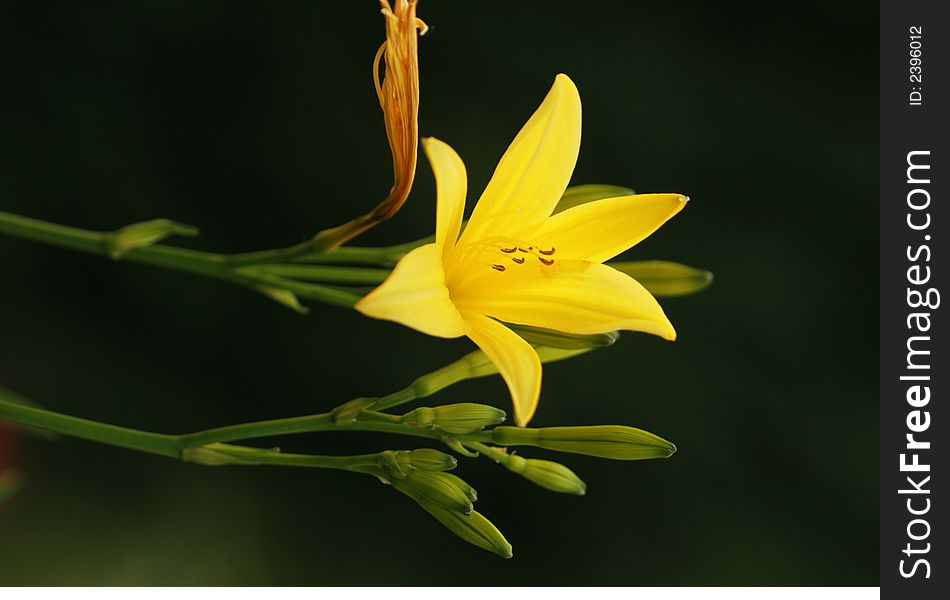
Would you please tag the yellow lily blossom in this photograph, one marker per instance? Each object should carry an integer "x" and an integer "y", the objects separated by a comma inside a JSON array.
[{"x": 515, "y": 263}]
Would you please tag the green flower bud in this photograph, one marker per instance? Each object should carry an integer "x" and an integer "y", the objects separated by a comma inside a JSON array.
[
  {"x": 582, "y": 194},
  {"x": 617, "y": 442},
  {"x": 463, "y": 485},
  {"x": 428, "y": 459},
  {"x": 145, "y": 233},
  {"x": 439, "y": 488},
  {"x": 455, "y": 418},
  {"x": 568, "y": 341},
  {"x": 550, "y": 475},
  {"x": 473, "y": 528},
  {"x": 666, "y": 279}
]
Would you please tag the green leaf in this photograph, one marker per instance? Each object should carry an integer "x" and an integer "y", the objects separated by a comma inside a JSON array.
[{"x": 666, "y": 279}]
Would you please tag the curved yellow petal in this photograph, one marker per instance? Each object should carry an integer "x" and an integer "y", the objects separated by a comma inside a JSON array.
[
  {"x": 535, "y": 170},
  {"x": 516, "y": 360},
  {"x": 600, "y": 230},
  {"x": 451, "y": 182},
  {"x": 571, "y": 296},
  {"x": 415, "y": 295}
]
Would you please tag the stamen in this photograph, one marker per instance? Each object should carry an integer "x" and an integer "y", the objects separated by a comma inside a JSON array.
[
  {"x": 530, "y": 248},
  {"x": 508, "y": 250},
  {"x": 546, "y": 262},
  {"x": 547, "y": 252},
  {"x": 518, "y": 259},
  {"x": 501, "y": 267}
]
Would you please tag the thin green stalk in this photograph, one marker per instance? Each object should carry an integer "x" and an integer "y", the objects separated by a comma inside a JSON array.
[
  {"x": 171, "y": 446},
  {"x": 217, "y": 266},
  {"x": 242, "y": 455},
  {"x": 314, "y": 423},
  {"x": 322, "y": 273},
  {"x": 153, "y": 443},
  {"x": 489, "y": 452}
]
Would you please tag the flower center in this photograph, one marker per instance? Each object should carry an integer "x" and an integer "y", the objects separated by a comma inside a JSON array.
[{"x": 520, "y": 254}]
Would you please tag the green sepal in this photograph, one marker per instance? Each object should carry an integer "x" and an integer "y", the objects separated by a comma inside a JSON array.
[
  {"x": 285, "y": 297},
  {"x": 146, "y": 233}
]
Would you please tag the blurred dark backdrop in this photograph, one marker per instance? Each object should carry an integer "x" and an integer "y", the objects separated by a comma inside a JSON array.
[{"x": 258, "y": 123}]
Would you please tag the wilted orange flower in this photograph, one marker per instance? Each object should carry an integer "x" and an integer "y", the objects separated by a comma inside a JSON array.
[{"x": 399, "y": 98}]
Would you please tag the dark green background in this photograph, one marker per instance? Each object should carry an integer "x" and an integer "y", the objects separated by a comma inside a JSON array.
[{"x": 258, "y": 123}]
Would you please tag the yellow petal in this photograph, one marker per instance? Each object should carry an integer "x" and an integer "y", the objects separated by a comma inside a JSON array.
[
  {"x": 599, "y": 230},
  {"x": 516, "y": 360},
  {"x": 415, "y": 295},
  {"x": 451, "y": 182},
  {"x": 535, "y": 170},
  {"x": 571, "y": 296}
]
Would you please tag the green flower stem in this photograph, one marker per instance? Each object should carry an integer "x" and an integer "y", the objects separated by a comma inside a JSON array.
[
  {"x": 387, "y": 256},
  {"x": 217, "y": 266},
  {"x": 346, "y": 275},
  {"x": 153, "y": 443},
  {"x": 314, "y": 423},
  {"x": 171, "y": 446},
  {"x": 489, "y": 452},
  {"x": 364, "y": 463}
]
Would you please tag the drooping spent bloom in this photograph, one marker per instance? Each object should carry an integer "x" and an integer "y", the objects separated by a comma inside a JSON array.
[
  {"x": 398, "y": 94},
  {"x": 515, "y": 263}
]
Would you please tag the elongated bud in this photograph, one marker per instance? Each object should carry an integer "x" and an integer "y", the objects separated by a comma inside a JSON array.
[
  {"x": 462, "y": 485},
  {"x": 435, "y": 488},
  {"x": 428, "y": 459},
  {"x": 455, "y": 418},
  {"x": 145, "y": 233},
  {"x": 666, "y": 279},
  {"x": 582, "y": 194},
  {"x": 616, "y": 442},
  {"x": 549, "y": 475},
  {"x": 474, "y": 528},
  {"x": 568, "y": 341}
]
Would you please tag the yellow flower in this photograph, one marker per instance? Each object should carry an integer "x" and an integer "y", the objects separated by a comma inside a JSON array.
[{"x": 515, "y": 263}]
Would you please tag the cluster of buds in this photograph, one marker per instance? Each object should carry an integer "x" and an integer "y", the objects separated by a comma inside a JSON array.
[{"x": 421, "y": 475}]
